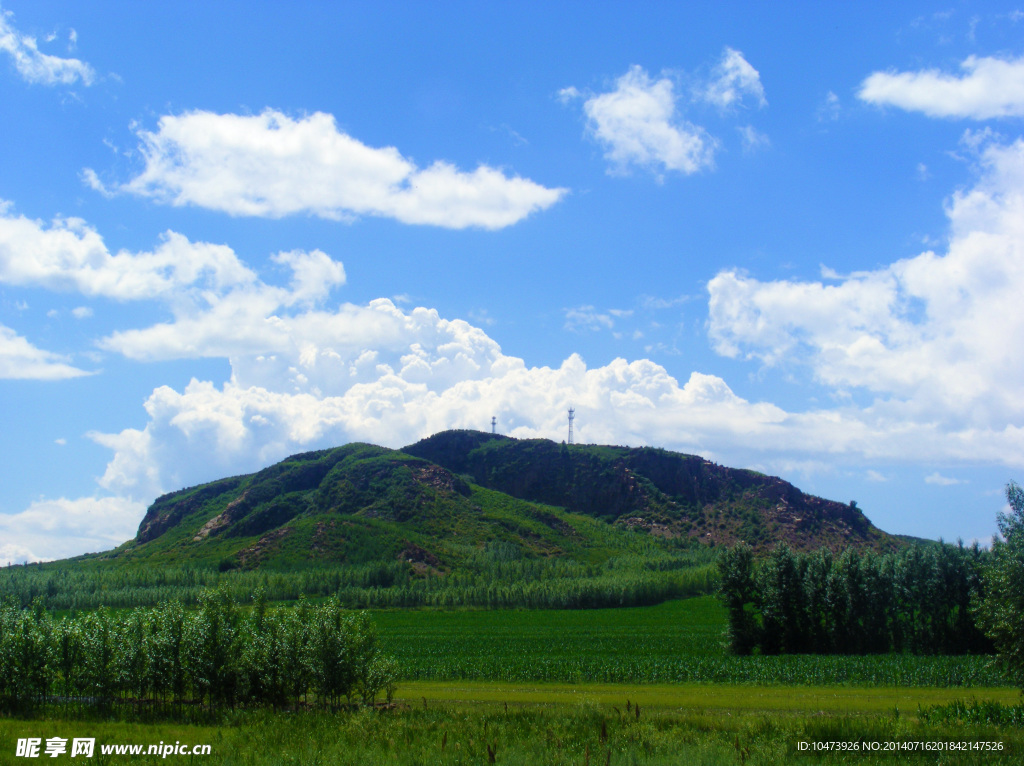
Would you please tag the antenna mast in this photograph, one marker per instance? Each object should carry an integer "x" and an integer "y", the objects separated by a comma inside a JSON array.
[
  {"x": 572, "y": 414},
  {"x": 494, "y": 424}
]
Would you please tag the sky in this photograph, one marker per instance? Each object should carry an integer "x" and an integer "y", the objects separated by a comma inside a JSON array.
[{"x": 786, "y": 237}]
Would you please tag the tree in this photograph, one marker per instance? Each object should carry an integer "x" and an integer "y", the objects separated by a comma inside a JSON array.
[
  {"x": 784, "y": 624},
  {"x": 738, "y": 591},
  {"x": 1000, "y": 609}
]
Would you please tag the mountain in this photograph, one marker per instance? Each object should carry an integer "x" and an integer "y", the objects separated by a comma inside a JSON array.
[{"x": 437, "y": 502}]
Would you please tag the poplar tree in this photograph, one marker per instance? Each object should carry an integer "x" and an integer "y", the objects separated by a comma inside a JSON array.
[
  {"x": 738, "y": 591},
  {"x": 1001, "y": 611}
]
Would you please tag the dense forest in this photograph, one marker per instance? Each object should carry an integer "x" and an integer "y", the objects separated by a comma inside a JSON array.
[{"x": 918, "y": 600}]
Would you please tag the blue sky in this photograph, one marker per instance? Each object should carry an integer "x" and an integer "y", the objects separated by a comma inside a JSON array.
[{"x": 785, "y": 238}]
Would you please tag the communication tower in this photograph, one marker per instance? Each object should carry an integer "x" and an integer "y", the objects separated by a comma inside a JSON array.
[
  {"x": 494, "y": 424},
  {"x": 572, "y": 414}
]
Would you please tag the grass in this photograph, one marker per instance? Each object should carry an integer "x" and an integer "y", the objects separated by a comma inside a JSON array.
[
  {"x": 546, "y": 725},
  {"x": 696, "y": 698}
]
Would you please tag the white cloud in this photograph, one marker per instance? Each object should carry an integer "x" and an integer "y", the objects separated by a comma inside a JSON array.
[
  {"x": 639, "y": 122},
  {"x": 876, "y": 477},
  {"x": 271, "y": 165},
  {"x": 588, "y": 318},
  {"x": 565, "y": 95},
  {"x": 942, "y": 481},
  {"x": 35, "y": 66},
  {"x": 733, "y": 79},
  {"x": 830, "y": 108},
  {"x": 81, "y": 312},
  {"x": 931, "y": 336},
  {"x": 989, "y": 87},
  {"x": 68, "y": 254},
  {"x": 753, "y": 139},
  {"x": 638, "y": 125},
  {"x": 20, "y": 360},
  {"x": 51, "y": 529},
  {"x": 653, "y": 303}
]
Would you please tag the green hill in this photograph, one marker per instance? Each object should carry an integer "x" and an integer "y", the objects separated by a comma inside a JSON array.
[{"x": 438, "y": 503}]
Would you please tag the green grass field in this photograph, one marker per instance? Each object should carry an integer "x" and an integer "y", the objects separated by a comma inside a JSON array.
[
  {"x": 701, "y": 698},
  {"x": 456, "y": 723}
]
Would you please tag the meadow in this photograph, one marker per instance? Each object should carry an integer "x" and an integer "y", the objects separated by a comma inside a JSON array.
[{"x": 442, "y": 724}]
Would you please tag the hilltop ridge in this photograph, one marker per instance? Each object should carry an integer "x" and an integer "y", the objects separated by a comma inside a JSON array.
[{"x": 668, "y": 493}]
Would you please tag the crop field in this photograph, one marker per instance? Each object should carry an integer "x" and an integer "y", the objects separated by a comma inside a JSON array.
[{"x": 674, "y": 642}]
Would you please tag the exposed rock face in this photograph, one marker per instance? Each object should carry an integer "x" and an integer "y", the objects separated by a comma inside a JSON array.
[
  {"x": 168, "y": 510},
  {"x": 236, "y": 509}
]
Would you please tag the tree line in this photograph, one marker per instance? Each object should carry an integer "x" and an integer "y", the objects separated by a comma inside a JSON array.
[
  {"x": 917, "y": 600},
  {"x": 218, "y": 655},
  {"x": 493, "y": 578}
]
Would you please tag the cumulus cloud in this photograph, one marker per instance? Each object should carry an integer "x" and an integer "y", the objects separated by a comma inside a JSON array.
[
  {"x": 638, "y": 125},
  {"x": 68, "y": 254},
  {"x": 272, "y": 165},
  {"x": 52, "y": 529},
  {"x": 988, "y": 87},
  {"x": 35, "y": 66},
  {"x": 733, "y": 80},
  {"x": 932, "y": 336},
  {"x": 20, "y": 360}
]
